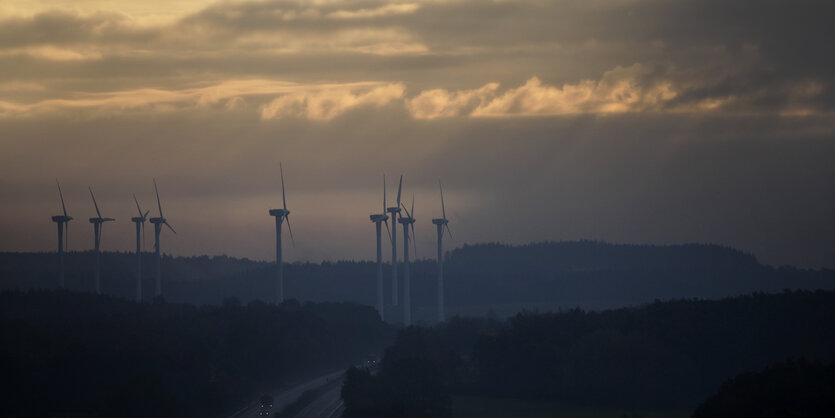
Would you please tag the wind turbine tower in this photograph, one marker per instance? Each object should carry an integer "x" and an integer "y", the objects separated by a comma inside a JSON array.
[
  {"x": 395, "y": 211},
  {"x": 379, "y": 219},
  {"x": 407, "y": 298},
  {"x": 158, "y": 223},
  {"x": 62, "y": 221},
  {"x": 139, "y": 221},
  {"x": 98, "y": 223},
  {"x": 441, "y": 224},
  {"x": 280, "y": 215}
]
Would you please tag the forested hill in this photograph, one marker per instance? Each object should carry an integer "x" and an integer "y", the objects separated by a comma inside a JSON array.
[
  {"x": 594, "y": 256},
  {"x": 600, "y": 275},
  {"x": 658, "y": 356},
  {"x": 478, "y": 278},
  {"x": 82, "y": 355}
]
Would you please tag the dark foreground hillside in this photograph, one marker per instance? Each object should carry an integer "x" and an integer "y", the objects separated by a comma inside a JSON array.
[
  {"x": 71, "y": 354},
  {"x": 479, "y": 278},
  {"x": 658, "y": 356},
  {"x": 790, "y": 389}
]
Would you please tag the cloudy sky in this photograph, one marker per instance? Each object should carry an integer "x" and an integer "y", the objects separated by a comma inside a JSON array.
[{"x": 642, "y": 121}]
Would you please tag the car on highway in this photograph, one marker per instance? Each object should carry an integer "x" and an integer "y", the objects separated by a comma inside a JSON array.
[
  {"x": 266, "y": 406},
  {"x": 371, "y": 361}
]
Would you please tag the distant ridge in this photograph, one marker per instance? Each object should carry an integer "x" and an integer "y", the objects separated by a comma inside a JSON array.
[
  {"x": 598, "y": 255},
  {"x": 479, "y": 278}
]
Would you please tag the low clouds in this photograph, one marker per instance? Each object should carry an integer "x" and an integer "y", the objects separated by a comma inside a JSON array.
[
  {"x": 617, "y": 92},
  {"x": 620, "y": 90},
  {"x": 634, "y": 89},
  {"x": 51, "y": 53},
  {"x": 439, "y": 103},
  {"x": 385, "y": 10},
  {"x": 280, "y": 99},
  {"x": 326, "y": 104}
]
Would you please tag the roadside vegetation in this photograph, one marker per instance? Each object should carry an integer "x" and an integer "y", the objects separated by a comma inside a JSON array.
[
  {"x": 663, "y": 356},
  {"x": 75, "y": 354}
]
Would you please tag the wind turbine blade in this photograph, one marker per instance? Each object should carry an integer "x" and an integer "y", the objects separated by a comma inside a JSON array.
[
  {"x": 159, "y": 205},
  {"x": 407, "y": 210},
  {"x": 170, "y": 227},
  {"x": 388, "y": 231},
  {"x": 411, "y": 215},
  {"x": 137, "y": 204},
  {"x": 293, "y": 240},
  {"x": 449, "y": 231},
  {"x": 399, "y": 188},
  {"x": 443, "y": 208},
  {"x": 384, "y": 194},
  {"x": 143, "y": 236},
  {"x": 94, "y": 201},
  {"x": 283, "y": 196},
  {"x": 60, "y": 193},
  {"x": 145, "y": 215}
]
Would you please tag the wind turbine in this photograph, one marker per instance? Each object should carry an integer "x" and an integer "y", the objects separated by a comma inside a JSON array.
[
  {"x": 441, "y": 223},
  {"x": 158, "y": 223},
  {"x": 280, "y": 215},
  {"x": 379, "y": 219},
  {"x": 395, "y": 211},
  {"x": 98, "y": 224},
  {"x": 62, "y": 221},
  {"x": 139, "y": 220},
  {"x": 407, "y": 299}
]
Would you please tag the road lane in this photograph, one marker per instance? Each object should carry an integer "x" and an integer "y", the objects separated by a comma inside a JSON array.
[
  {"x": 326, "y": 405},
  {"x": 284, "y": 397}
]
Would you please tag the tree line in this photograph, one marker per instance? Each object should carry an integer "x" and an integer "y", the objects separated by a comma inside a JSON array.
[
  {"x": 77, "y": 354},
  {"x": 550, "y": 275},
  {"x": 659, "y": 355}
]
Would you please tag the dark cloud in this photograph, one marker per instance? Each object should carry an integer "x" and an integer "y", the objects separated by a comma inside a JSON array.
[
  {"x": 759, "y": 49},
  {"x": 63, "y": 28}
]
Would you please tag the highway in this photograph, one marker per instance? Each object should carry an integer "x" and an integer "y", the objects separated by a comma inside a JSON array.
[
  {"x": 284, "y": 397},
  {"x": 328, "y": 405}
]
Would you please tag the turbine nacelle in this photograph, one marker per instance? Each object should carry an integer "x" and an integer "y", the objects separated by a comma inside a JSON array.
[
  {"x": 442, "y": 221},
  {"x": 279, "y": 212},
  {"x": 405, "y": 220},
  {"x": 283, "y": 214},
  {"x": 162, "y": 221},
  {"x": 393, "y": 209},
  {"x": 142, "y": 217},
  {"x": 101, "y": 220},
  {"x": 379, "y": 218},
  {"x": 65, "y": 217}
]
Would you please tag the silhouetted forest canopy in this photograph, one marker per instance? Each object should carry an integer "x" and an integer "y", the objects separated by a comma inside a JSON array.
[
  {"x": 791, "y": 389},
  {"x": 479, "y": 278},
  {"x": 658, "y": 355},
  {"x": 77, "y": 354}
]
